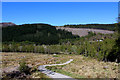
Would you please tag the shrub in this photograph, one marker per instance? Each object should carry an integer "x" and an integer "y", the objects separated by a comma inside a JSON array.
[{"x": 24, "y": 68}]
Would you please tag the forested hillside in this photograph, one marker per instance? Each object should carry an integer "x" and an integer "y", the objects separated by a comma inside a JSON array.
[
  {"x": 16, "y": 39},
  {"x": 38, "y": 33}
]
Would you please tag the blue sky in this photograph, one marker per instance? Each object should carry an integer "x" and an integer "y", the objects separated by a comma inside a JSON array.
[
  {"x": 60, "y": 13},
  {"x": 60, "y": 0}
]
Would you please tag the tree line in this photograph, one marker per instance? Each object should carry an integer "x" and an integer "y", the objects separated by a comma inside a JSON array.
[
  {"x": 93, "y": 26},
  {"x": 98, "y": 50}
]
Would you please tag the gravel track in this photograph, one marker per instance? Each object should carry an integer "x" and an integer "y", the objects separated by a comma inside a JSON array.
[{"x": 55, "y": 75}]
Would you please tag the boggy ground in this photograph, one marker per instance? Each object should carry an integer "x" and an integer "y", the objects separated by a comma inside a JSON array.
[{"x": 83, "y": 66}]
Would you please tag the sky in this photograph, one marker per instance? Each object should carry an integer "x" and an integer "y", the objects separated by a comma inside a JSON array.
[
  {"x": 60, "y": 0},
  {"x": 60, "y": 13}
]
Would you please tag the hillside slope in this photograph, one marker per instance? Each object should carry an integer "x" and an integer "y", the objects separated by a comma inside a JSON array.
[
  {"x": 38, "y": 33},
  {"x": 84, "y": 31}
]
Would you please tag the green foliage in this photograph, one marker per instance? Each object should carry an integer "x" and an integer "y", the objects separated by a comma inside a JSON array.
[
  {"x": 24, "y": 68},
  {"x": 115, "y": 53},
  {"x": 97, "y": 49},
  {"x": 55, "y": 55}
]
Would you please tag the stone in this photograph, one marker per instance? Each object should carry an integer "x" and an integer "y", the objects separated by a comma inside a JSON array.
[{"x": 105, "y": 67}]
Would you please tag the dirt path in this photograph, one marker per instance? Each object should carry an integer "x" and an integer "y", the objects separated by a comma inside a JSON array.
[
  {"x": 54, "y": 74},
  {"x": 45, "y": 71}
]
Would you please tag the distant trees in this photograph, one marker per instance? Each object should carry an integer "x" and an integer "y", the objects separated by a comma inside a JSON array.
[
  {"x": 94, "y": 26},
  {"x": 38, "y": 33},
  {"x": 98, "y": 50}
]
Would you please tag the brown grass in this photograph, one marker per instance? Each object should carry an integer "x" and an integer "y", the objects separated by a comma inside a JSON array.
[
  {"x": 32, "y": 59},
  {"x": 90, "y": 68}
]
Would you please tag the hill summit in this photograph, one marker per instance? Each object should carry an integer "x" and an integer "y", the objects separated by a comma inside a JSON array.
[{"x": 5, "y": 24}]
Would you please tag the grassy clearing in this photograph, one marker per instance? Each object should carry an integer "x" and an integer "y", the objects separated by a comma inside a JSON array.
[
  {"x": 87, "y": 68},
  {"x": 32, "y": 59},
  {"x": 80, "y": 66}
]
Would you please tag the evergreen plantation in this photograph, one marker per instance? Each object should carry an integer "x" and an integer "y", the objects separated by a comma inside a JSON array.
[{"x": 37, "y": 33}]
